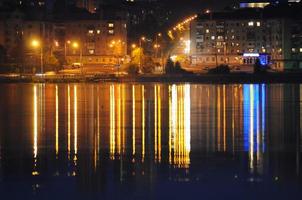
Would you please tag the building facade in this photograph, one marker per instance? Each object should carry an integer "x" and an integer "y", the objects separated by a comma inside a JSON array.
[
  {"x": 241, "y": 37},
  {"x": 87, "y": 39}
]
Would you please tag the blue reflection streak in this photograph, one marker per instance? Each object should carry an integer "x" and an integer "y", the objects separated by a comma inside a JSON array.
[{"x": 256, "y": 107}]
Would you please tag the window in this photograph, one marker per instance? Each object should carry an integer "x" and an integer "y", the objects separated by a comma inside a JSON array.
[
  {"x": 258, "y": 24},
  {"x": 251, "y": 24},
  {"x": 90, "y": 31},
  {"x": 212, "y": 37},
  {"x": 91, "y": 51},
  {"x": 110, "y": 32},
  {"x": 207, "y": 31},
  {"x": 98, "y": 31},
  {"x": 110, "y": 25},
  {"x": 300, "y": 50}
]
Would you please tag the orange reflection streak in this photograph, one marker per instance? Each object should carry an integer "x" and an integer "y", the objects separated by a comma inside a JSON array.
[
  {"x": 112, "y": 122},
  {"x": 57, "y": 122},
  {"x": 218, "y": 117},
  {"x": 155, "y": 122},
  {"x": 224, "y": 119},
  {"x": 98, "y": 124},
  {"x": 68, "y": 123},
  {"x": 170, "y": 124},
  {"x": 133, "y": 120},
  {"x": 143, "y": 123}
]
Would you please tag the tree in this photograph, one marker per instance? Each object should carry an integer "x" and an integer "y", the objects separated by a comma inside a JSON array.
[{"x": 169, "y": 68}]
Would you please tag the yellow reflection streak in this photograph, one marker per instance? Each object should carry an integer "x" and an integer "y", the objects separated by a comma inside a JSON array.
[
  {"x": 57, "y": 122},
  {"x": 75, "y": 123},
  {"x": 119, "y": 120},
  {"x": 112, "y": 122},
  {"x": 68, "y": 121},
  {"x": 133, "y": 120},
  {"x": 251, "y": 127},
  {"x": 35, "y": 124},
  {"x": 179, "y": 129},
  {"x": 143, "y": 123},
  {"x": 159, "y": 123}
]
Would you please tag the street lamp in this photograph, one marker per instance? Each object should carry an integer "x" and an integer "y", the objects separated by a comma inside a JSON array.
[
  {"x": 142, "y": 39},
  {"x": 76, "y": 45},
  {"x": 36, "y": 44},
  {"x": 65, "y": 49}
]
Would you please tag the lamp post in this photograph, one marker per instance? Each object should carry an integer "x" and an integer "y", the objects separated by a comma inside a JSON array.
[
  {"x": 65, "y": 49},
  {"x": 76, "y": 45},
  {"x": 157, "y": 45},
  {"x": 140, "y": 51},
  {"x": 37, "y": 44}
]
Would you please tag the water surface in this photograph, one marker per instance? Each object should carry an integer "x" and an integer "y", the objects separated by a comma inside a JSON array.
[{"x": 150, "y": 141}]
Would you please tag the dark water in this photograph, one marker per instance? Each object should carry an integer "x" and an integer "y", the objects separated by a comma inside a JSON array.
[{"x": 152, "y": 141}]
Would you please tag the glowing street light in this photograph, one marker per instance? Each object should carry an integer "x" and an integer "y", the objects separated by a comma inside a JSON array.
[
  {"x": 133, "y": 46},
  {"x": 36, "y": 44},
  {"x": 76, "y": 45}
]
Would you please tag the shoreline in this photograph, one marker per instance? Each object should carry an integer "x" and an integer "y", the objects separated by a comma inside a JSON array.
[{"x": 283, "y": 77}]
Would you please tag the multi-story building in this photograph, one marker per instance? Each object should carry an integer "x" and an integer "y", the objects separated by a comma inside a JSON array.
[
  {"x": 242, "y": 36},
  {"x": 98, "y": 41}
]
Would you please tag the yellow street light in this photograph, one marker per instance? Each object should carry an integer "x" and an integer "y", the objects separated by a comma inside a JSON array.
[
  {"x": 133, "y": 46},
  {"x": 35, "y": 43},
  {"x": 75, "y": 45}
]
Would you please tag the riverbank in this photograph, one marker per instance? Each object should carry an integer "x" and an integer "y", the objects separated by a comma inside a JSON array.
[{"x": 288, "y": 77}]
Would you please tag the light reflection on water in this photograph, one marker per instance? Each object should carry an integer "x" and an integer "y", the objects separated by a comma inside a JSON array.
[{"x": 156, "y": 132}]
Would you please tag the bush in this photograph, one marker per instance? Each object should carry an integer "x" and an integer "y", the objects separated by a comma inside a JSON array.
[
  {"x": 176, "y": 68},
  {"x": 220, "y": 69},
  {"x": 258, "y": 68},
  {"x": 133, "y": 69}
]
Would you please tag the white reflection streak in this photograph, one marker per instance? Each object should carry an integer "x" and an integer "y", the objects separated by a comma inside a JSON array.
[
  {"x": 75, "y": 121},
  {"x": 35, "y": 123},
  {"x": 251, "y": 127},
  {"x": 57, "y": 122},
  {"x": 187, "y": 103},
  {"x": 174, "y": 111},
  {"x": 35, "y": 147}
]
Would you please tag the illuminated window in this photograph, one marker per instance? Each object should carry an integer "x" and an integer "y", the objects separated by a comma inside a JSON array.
[
  {"x": 91, "y": 51},
  {"x": 294, "y": 49},
  {"x": 110, "y": 25},
  {"x": 98, "y": 31},
  {"x": 258, "y": 24},
  {"x": 90, "y": 31},
  {"x": 213, "y": 37},
  {"x": 207, "y": 31},
  {"x": 251, "y": 24},
  {"x": 300, "y": 50},
  {"x": 111, "y": 32}
]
